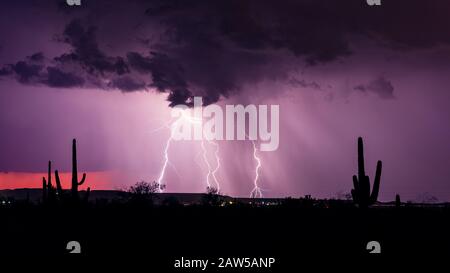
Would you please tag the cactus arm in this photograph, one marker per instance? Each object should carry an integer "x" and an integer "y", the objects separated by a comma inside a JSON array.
[
  {"x": 356, "y": 190},
  {"x": 58, "y": 183},
  {"x": 355, "y": 196},
  {"x": 355, "y": 183},
  {"x": 376, "y": 183},
  {"x": 82, "y": 180}
]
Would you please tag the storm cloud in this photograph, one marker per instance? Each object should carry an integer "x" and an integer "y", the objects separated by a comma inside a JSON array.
[
  {"x": 214, "y": 48},
  {"x": 85, "y": 51}
]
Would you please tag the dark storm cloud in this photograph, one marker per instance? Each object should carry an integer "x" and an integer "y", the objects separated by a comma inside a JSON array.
[
  {"x": 26, "y": 72},
  {"x": 167, "y": 75},
  {"x": 85, "y": 59},
  {"x": 302, "y": 83},
  {"x": 5, "y": 71},
  {"x": 379, "y": 86},
  {"x": 36, "y": 57},
  {"x": 318, "y": 30},
  {"x": 32, "y": 71},
  {"x": 218, "y": 46},
  {"x": 86, "y": 52},
  {"x": 57, "y": 78},
  {"x": 214, "y": 48},
  {"x": 127, "y": 84}
]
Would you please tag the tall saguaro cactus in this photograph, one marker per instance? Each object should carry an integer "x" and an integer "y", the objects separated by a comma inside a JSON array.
[
  {"x": 75, "y": 182},
  {"x": 361, "y": 184}
]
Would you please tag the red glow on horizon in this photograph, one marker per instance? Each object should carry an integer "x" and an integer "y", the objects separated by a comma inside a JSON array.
[{"x": 17, "y": 180}]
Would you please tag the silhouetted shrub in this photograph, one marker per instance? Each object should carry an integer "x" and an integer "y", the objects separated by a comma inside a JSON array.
[
  {"x": 142, "y": 193},
  {"x": 212, "y": 197}
]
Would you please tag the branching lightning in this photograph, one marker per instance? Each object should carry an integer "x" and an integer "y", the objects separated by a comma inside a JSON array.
[
  {"x": 211, "y": 172},
  {"x": 211, "y": 175}
]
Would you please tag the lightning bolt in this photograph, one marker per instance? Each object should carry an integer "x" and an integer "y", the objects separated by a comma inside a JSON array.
[
  {"x": 205, "y": 158},
  {"x": 216, "y": 169},
  {"x": 211, "y": 172},
  {"x": 256, "y": 191},
  {"x": 166, "y": 159}
]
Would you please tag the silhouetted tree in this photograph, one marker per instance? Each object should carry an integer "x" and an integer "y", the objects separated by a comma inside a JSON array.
[
  {"x": 361, "y": 183},
  {"x": 142, "y": 192},
  {"x": 343, "y": 195},
  {"x": 212, "y": 197},
  {"x": 303, "y": 202}
]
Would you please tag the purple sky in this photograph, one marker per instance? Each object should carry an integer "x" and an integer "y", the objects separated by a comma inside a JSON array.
[{"x": 106, "y": 72}]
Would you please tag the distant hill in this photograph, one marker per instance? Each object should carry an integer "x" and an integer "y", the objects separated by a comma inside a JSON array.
[{"x": 35, "y": 195}]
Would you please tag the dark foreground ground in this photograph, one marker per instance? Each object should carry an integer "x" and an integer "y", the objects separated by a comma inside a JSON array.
[{"x": 158, "y": 236}]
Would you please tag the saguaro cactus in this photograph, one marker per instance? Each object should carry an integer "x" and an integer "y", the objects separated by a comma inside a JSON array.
[
  {"x": 44, "y": 190},
  {"x": 398, "y": 201},
  {"x": 48, "y": 191},
  {"x": 75, "y": 182},
  {"x": 361, "y": 184}
]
